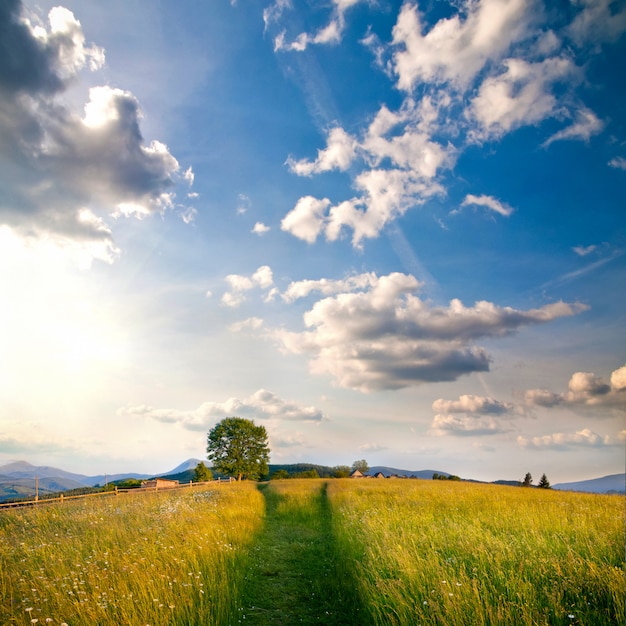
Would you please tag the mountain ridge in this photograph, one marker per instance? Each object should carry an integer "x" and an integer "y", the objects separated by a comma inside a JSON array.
[{"x": 18, "y": 477}]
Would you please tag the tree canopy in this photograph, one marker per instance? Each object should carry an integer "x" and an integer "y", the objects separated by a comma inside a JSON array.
[
  {"x": 238, "y": 447},
  {"x": 202, "y": 473},
  {"x": 360, "y": 465},
  {"x": 528, "y": 480}
]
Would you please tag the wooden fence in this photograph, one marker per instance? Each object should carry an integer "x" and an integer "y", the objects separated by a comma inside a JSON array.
[{"x": 115, "y": 492}]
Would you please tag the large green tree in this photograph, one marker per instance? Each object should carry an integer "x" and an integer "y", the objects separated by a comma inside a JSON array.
[
  {"x": 361, "y": 465},
  {"x": 238, "y": 447}
]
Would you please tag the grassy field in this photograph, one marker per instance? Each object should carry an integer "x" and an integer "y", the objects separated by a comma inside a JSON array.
[
  {"x": 349, "y": 552},
  {"x": 135, "y": 559},
  {"x": 431, "y": 552}
]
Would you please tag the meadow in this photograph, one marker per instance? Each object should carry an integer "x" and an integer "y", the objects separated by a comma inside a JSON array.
[
  {"x": 136, "y": 559},
  {"x": 342, "y": 551}
]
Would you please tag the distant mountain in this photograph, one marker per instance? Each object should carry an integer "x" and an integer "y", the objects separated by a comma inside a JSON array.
[
  {"x": 24, "y": 470},
  {"x": 17, "y": 479},
  {"x": 390, "y": 471},
  {"x": 615, "y": 483},
  {"x": 189, "y": 464}
]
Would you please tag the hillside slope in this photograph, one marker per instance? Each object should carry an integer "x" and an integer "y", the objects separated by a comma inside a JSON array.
[{"x": 612, "y": 483}]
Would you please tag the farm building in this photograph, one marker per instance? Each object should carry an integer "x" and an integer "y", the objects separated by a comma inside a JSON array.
[
  {"x": 357, "y": 474},
  {"x": 159, "y": 483},
  {"x": 379, "y": 475}
]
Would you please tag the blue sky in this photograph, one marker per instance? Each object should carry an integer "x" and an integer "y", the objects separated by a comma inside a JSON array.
[{"x": 384, "y": 230}]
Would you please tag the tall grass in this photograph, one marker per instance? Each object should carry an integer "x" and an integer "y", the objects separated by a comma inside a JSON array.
[
  {"x": 156, "y": 558},
  {"x": 422, "y": 552},
  {"x": 388, "y": 552}
]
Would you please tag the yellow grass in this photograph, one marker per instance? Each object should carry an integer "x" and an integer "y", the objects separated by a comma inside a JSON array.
[
  {"x": 430, "y": 552},
  {"x": 384, "y": 552},
  {"x": 156, "y": 558}
]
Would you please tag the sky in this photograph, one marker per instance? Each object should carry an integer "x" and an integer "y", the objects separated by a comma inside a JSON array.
[{"x": 384, "y": 230}]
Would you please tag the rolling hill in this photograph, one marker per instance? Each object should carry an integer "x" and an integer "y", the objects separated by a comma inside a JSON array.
[{"x": 614, "y": 483}]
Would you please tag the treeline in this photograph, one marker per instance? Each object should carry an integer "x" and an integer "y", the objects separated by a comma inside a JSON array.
[{"x": 444, "y": 477}]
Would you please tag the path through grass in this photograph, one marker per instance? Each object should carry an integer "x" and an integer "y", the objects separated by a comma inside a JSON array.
[{"x": 293, "y": 577}]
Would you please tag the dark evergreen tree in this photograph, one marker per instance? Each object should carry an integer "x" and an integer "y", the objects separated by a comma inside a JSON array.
[{"x": 544, "y": 483}]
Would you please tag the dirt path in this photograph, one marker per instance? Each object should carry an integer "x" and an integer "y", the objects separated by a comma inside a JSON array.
[{"x": 293, "y": 576}]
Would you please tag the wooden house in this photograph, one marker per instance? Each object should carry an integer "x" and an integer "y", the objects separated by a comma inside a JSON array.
[{"x": 159, "y": 483}]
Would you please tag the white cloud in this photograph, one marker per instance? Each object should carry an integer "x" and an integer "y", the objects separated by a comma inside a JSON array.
[
  {"x": 239, "y": 285},
  {"x": 338, "y": 154},
  {"x": 262, "y": 404},
  {"x": 473, "y": 404},
  {"x": 584, "y": 438},
  {"x": 306, "y": 219},
  {"x": 387, "y": 194},
  {"x": 472, "y": 415},
  {"x": 260, "y": 228},
  {"x": 381, "y": 336},
  {"x": 329, "y": 34},
  {"x": 489, "y": 202},
  {"x": 57, "y": 167},
  {"x": 586, "y": 125},
  {"x": 251, "y": 324},
  {"x": 302, "y": 288},
  {"x": 467, "y": 425},
  {"x": 618, "y": 163},
  {"x": 585, "y": 389},
  {"x": 456, "y": 49},
  {"x": 598, "y": 21},
  {"x": 584, "y": 250},
  {"x": 519, "y": 96}
]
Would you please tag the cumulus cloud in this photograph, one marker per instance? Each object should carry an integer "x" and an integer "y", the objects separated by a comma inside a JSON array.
[
  {"x": 585, "y": 389},
  {"x": 472, "y": 415},
  {"x": 467, "y": 425},
  {"x": 260, "y": 228},
  {"x": 338, "y": 154},
  {"x": 263, "y": 278},
  {"x": 489, "y": 202},
  {"x": 473, "y": 405},
  {"x": 303, "y": 288},
  {"x": 489, "y": 69},
  {"x": 306, "y": 219},
  {"x": 387, "y": 194},
  {"x": 379, "y": 335},
  {"x": 519, "y": 96},
  {"x": 584, "y": 438},
  {"x": 401, "y": 163},
  {"x": 58, "y": 169},
  {"x": 455, "y": 49},
  {"x": 262, "y": 404}
]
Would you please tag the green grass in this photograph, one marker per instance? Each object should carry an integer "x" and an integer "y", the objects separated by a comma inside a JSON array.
[
  {"x": 292, "y": 577},
  {"x": 349, "y": 552}
]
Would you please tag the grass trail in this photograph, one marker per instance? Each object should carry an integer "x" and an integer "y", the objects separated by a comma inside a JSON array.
[{"x": 293, "y": 576}]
